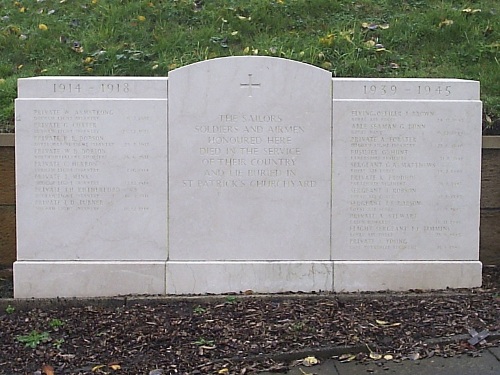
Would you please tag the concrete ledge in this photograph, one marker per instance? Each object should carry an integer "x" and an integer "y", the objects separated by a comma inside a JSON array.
[
  {"x": 87, "y": 279},
  {"x": 7, "y": 140},
  {"x": 491, "y": 141},
  {"x": 184, "y": 277},
  {"x": 352, "y": 276}
]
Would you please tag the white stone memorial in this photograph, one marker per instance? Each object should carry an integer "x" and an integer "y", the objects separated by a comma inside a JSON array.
[{"x": 257, "y": 173}]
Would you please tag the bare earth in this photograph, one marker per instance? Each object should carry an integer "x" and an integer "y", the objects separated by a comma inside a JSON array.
[{"x": 243, "y": 333}]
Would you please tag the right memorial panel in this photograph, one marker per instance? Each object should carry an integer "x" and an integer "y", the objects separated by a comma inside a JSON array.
[{"x": 406, "y": 180}]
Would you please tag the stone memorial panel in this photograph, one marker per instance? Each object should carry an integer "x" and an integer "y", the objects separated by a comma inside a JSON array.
[
  {"x": 407, "y": 176},
  {"x": 248, "y": 160},
  {"x": 90, "y": 171},
  {"x": 249, "y": 166}
]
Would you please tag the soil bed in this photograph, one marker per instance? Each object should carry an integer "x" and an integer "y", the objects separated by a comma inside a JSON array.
[{"x": 243, "y": 333}]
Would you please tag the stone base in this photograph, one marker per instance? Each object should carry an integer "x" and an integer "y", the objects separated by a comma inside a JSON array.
[
  {"x": 87, "y": 279},
  {"x": 185, "y": 277},
  {"x": 352, "y": 276},
  {"x": 52, "y": 279}
]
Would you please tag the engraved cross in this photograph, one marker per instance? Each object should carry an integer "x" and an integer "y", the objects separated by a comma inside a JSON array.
[{"x": 249, "y": 85}]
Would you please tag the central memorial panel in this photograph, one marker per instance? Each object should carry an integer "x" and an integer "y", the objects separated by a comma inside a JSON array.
[{"x": 249, "y": 165}]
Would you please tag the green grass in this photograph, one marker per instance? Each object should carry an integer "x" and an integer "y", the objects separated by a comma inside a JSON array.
[{"x": 149, "y": 38}]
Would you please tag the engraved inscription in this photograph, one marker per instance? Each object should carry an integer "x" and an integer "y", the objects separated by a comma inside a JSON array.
[
  {"x": 391, "y": 174},
  {"x": 248, "y": 150},
  {"x": 74, "y": 149}
]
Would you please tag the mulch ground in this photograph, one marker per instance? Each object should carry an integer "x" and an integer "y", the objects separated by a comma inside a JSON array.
[{"x": 241, "y": 333}]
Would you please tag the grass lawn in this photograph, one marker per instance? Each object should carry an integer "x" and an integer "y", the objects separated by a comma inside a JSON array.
[{"x": 366, "y": 38}]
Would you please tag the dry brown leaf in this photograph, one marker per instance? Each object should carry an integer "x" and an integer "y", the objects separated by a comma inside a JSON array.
[{"x": 47, "y": 370}]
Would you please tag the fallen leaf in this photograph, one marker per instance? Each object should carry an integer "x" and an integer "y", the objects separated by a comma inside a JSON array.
[
  {"x": 445, "y": 23},
  {"x": 327, "y": 40},
  {"x": 206, "y": 347},
  {"x": 414, "y": 356},
  {"x": 47, "y": 370},
  {"x": 97, "y": 368},
  {"x": 77, "y": 47},
  {"x": 223, "y": 371},
  {"x": 383, "y": 322},
  {"x": 470, "y": 11},
  {"x": 347, "y": 358},
  {"x": 326, "y": 65},
  {"x": 369, "y": 26},
  {"x": 375, "y": 356},
  {"x": 43, "y": 27},
  {"x": 141, "y": 18},
  {"x": 310, "y": 361}
]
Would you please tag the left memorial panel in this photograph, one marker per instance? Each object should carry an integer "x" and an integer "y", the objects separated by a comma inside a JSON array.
[{"x": 91, "y": 186}]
